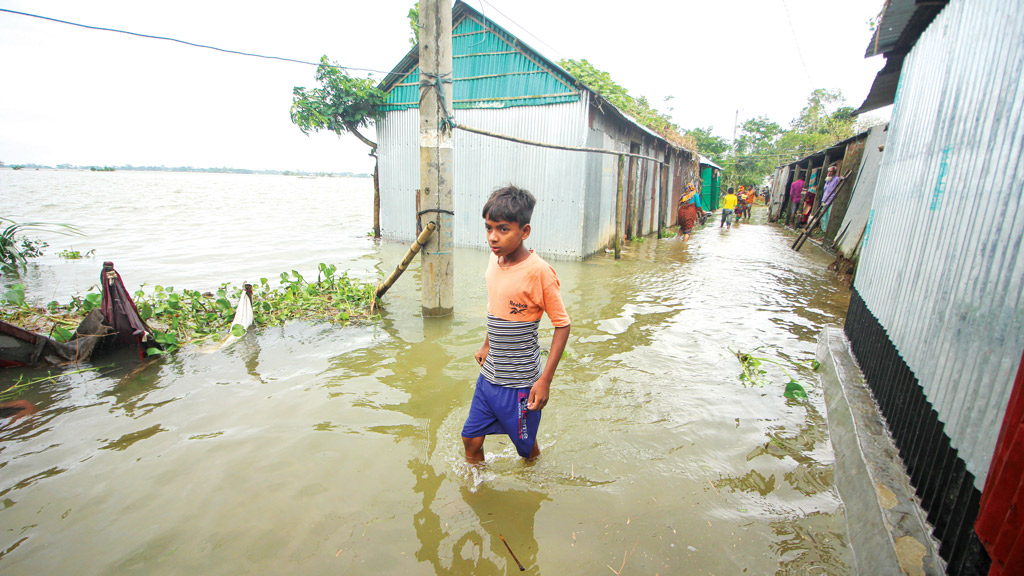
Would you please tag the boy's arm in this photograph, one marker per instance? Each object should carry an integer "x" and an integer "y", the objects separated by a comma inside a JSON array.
[
  {"x": 542, "y": 387},
  {"x": 481, "y": 354}
]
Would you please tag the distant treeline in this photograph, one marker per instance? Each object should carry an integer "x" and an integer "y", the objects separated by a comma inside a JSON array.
[{"x": 185, "y": 169}]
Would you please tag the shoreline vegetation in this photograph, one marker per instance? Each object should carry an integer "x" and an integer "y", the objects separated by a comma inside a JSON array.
[
  {"x": 190, "y": 317},
  {"x": 223, "y": 170}
]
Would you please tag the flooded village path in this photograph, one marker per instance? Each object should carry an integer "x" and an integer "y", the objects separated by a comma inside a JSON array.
[{"x": 316, "y": 448}]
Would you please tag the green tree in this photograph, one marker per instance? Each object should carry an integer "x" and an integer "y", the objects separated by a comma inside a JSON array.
[
  {"x": 756, "y": 151},
  {"x": 341, "y": 104},
  {"x": 638, "y": 107},
  {"x": 825, "y": 113},
  {"x": 414, "y": 24},
  {"x": 713, "y": 147}
]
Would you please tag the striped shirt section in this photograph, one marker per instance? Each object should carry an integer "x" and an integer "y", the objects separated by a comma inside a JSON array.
[{"x": 513, "y": 360}]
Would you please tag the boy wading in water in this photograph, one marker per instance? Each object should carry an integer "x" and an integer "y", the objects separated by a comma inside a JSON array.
[{"x": 512, "y": 389}]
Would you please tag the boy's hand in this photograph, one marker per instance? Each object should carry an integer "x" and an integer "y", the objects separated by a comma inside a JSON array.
[
  {"x": 481, "y": 354},
  {"x": 539, "y": 395}
]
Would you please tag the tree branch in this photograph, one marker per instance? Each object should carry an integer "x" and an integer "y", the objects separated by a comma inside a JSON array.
[{"x": 352, "y": 128}]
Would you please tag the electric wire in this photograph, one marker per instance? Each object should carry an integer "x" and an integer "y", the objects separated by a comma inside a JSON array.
[
  {"x": 193, "y": 44},
  {"x": 796, "y": 42},
  {"x": 555, "y": 50}
]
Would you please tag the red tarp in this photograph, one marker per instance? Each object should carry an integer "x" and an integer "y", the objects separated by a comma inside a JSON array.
[{"x": 999, "y": 519}]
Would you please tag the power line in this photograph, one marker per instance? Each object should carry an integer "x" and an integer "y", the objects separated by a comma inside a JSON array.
[
  {"x": 796, "y": 41},
  {"x": 556, "y": 51},
  {"x": 193, "y": 44}
]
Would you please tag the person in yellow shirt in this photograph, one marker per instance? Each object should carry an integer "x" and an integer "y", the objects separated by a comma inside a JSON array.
[{"x": 728, "y": 205}]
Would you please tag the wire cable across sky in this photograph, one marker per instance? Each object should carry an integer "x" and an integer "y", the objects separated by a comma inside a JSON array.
[{"x": 193, "y": 44}]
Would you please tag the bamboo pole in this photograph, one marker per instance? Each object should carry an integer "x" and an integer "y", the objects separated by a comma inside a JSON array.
[
  {"x": 383, "y": 287},
  {"x": 618, "y": 208},
  {"x": 553, "y": 146},
  {"x": 806, "y": 232}
]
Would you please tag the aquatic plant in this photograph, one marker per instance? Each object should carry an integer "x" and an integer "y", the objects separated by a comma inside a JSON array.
[
  {"x": 15, "y": 250},
  {"x": 72, "y": 254},
  {"x": 19, "y": 386},
  {"x": 180, "y": 318},
  {"x": 184, "y": 317},
  {"x": 753, "y": 373}
]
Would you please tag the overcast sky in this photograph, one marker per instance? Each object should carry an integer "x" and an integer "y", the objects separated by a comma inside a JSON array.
[{"x": 87, "y": 97}]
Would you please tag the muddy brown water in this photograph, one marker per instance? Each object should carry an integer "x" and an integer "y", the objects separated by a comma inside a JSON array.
[{"x": 327, "y": 449}]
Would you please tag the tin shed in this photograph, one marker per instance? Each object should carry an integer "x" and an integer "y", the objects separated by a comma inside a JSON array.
[
  {"x": 503, "y": 86},
  {"x": 936, "y": 318}
]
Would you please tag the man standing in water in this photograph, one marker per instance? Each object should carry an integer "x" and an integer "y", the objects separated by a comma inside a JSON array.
[
  {"x": 511, "y": 389},
  {"x": 796, "y": 193}
]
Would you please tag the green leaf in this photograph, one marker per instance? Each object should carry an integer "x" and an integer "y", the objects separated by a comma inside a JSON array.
[
  {"x": 92, "y": 300},
  {"x": 794, "y": 390},
  {"x": 145, "y": 311},
  {"x": 154, "y": 352},
  {"x": 61, "y": 334},
  {"x": 15, "y": 295},
  {"x": 815, "y": 365},
  {"x": 238, "y": 330}
]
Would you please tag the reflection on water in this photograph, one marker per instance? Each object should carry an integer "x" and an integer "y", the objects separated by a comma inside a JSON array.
[{"x": 314, "y": 448}]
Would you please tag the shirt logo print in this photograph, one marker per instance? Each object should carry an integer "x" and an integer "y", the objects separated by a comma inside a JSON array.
[{"x": 516, "y": 308}]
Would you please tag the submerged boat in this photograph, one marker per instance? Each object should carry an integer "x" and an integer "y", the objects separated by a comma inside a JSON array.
[
  {"x": 115, "y": 324},
  {"x": 20, "y": 347}
]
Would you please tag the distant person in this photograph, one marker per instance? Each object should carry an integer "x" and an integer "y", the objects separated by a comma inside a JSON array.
[
  {"x": 511, "y": 389},
  {"x": 751, "y": 198},
  {"x": 807, "y": 206},
  {"x": 728, "y": 205},
  {"x": 831, "y": 186},
  {"x": 796, "y": 192},
  {"x": 688, "y": 212},
  {"x": 741, "y": 204}
]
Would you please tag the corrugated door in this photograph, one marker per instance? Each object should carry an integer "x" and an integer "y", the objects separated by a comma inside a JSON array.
[{"x": 707, "y": 184}]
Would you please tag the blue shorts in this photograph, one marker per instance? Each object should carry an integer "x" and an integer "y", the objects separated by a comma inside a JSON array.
[{"x": 500, "y": 410}]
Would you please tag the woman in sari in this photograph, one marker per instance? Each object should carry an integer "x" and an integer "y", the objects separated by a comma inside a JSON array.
[{"x": 687, "y": 211}]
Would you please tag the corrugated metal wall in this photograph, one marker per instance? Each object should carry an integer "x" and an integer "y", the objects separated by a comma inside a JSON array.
[
  {"x": 851, "y": 230},
  {"x": 942, "y": 265},
  {"x": 780, "y": 189},
  {"x": 490, "y": 70},
  {"x": 555, "y": 177}
]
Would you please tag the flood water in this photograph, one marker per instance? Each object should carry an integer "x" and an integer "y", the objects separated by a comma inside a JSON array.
[{"x": 319, "y": 449}]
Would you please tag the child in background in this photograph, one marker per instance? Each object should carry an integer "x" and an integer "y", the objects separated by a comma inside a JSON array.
[
  {"x": 511, "y": 389},
  {"x": 728, "y": 205}
]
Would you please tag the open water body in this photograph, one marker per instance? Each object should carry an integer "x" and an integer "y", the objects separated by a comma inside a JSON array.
[{"x": 327, "y": 449}]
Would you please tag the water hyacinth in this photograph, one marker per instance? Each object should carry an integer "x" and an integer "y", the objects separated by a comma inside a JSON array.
[{"x": 190, "y": 316}]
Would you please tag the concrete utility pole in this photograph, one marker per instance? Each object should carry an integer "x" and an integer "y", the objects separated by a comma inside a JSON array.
[{"x": 436, "y": 156}]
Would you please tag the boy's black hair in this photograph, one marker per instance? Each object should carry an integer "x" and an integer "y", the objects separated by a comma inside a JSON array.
[
  {"x": 510, "y": 204},
  {"x": 730, "y": 191}
]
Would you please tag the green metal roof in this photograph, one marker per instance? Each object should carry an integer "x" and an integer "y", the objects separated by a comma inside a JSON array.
[{"x": 491, "y": 69}]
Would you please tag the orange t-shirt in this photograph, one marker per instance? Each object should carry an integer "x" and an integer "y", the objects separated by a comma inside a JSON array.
[
  {"x": 524, "y": 291},
  {"x": 517, "y": 297}
]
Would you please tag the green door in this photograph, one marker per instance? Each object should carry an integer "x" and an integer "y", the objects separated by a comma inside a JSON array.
[
  {"x": 707, "y": 188},
  {"x": 716, "y": 189}
]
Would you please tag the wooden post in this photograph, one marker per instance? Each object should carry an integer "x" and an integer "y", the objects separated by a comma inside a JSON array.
[
  {"x": 666, "y": 194},
  {"x": 376, "y": 197},
  {"x": 618, "y": 208},
  {"x": 821, "y": 183},
  {"x": 436, "y": 155}
]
